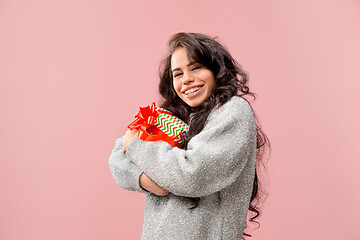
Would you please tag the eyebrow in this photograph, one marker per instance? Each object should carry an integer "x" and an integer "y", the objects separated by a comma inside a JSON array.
[{"x": 191, "y": 63}]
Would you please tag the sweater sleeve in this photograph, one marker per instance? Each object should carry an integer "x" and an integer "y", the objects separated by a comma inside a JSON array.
[
  {"x": 125, "y": 172},
  {"x": 214, "y": 159}
]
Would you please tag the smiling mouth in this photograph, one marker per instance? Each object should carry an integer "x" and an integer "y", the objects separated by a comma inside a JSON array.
[{"x": 192, "y": 90}]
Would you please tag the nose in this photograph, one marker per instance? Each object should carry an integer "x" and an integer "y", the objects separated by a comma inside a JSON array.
[{"x": 188, "y": 78}]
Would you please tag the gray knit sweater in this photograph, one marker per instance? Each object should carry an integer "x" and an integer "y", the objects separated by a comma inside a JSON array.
[{"x": 218, "y": 167}]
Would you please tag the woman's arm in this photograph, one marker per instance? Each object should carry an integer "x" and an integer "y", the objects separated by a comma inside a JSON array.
[
  {"x": 215, "y": 157},
  {"x": 128, "y": 176},
  {"x": 149, "y": 185}
]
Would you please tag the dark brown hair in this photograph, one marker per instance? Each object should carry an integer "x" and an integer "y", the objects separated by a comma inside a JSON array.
[{"x": 212, "y": 55}]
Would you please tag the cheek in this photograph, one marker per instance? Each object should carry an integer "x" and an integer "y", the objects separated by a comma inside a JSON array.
[
  {"x": 211, "y": 82},
  {"x": 176, "y": 86}
]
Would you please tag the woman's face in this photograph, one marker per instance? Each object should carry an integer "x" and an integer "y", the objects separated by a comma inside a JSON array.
[{"x": 192, "y": 82}]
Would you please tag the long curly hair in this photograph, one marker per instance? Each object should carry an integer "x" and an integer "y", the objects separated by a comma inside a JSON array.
[{"x": 212, "y": 55}]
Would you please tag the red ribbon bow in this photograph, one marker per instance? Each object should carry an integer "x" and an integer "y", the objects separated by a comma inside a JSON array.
[
  {"x": 145, "y": 121},
  {"x": 145, "y": 118}
]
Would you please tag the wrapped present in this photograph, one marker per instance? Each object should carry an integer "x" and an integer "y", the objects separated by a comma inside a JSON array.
[{"x": 156, "y": 124}]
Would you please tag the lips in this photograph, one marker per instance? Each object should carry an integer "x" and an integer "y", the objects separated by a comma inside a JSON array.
[{"x": 191, "y": 89}]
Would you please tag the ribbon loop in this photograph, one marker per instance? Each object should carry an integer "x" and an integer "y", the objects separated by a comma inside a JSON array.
[{"x": 158, "y": 124}]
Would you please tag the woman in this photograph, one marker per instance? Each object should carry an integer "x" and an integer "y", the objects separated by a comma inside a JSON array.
[{"x": 204, "y": 188}]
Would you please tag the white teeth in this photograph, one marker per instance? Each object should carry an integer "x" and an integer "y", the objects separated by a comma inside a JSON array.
[{"x": 192, "y": 90}]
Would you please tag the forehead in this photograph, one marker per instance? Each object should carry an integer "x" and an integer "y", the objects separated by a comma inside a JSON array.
[{"x": 179, "y": 58}]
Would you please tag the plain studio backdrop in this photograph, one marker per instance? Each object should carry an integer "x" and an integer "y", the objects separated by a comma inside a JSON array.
[{"x": 73, "y": 74}]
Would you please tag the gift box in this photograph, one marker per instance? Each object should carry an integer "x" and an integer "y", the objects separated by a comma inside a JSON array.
[{"x": 156, "y": 124}]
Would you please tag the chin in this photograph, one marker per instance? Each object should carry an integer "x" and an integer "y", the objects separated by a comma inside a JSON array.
[{"x": 194, "y": 103}]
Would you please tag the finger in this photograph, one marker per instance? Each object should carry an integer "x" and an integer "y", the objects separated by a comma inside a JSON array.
[
  {"x": 162, "y": 193},
  {"x": 124, "y": 147}
]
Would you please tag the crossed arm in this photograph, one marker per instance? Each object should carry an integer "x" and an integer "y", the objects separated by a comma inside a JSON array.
[
  {"x": 144, "y": 180},
  {"x": 214, "y": 159}
]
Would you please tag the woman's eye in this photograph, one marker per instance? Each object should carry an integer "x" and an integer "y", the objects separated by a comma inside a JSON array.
[
  {"x": 177, "y": 74},
  {"x": 196, "y": 68}
]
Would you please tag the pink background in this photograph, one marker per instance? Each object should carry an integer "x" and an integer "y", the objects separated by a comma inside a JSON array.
[{"x": 73, "y": 73}]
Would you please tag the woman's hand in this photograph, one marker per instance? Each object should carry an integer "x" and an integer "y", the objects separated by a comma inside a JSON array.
[
  {"x": 129, "y": 136},
  {"x": 151, "y": 186}
]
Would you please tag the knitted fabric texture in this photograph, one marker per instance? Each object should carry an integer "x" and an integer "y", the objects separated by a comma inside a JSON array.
[{"x": 218, "y": 167}]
